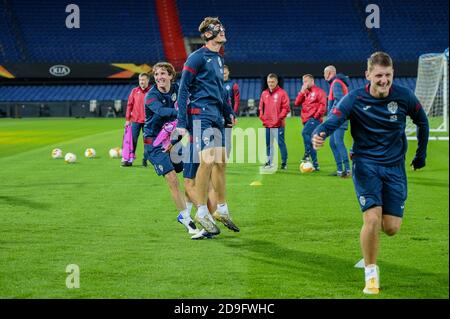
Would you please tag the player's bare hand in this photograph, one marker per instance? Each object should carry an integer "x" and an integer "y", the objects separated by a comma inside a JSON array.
[
  {"x": 304, "y": 88},
  {"x": 127, "y": 123},
  {"x": 182, "y": 131},
  {"x": 168, "y": 148},
  {"x": 233, "y": 121},
  {"x": 318, "y": 140}
]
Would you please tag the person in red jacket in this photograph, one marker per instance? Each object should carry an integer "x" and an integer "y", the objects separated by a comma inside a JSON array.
[
  {"x": 313, "y": 101},
  {"x": 273, "y": 109},
  {"x": 135, "y": 112}
]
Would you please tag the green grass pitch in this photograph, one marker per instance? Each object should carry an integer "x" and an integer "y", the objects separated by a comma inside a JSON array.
[{"x": 299, "y": 232}]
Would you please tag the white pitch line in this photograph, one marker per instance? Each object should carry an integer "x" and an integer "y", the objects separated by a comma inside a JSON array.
[{"x": 431, "y": 138}]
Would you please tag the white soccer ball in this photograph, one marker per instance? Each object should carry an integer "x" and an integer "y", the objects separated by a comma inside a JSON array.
[
  {"x": 306, "y": 167},
  {"x": 89, "y": 153},
  {"x": 57, "y": 153},
  {"x": 70, "y": 158},
  {"x": 115, "y": 152}
]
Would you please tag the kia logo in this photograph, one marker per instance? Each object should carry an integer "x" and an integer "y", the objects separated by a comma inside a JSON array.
[{"x": 59, "y": 70}]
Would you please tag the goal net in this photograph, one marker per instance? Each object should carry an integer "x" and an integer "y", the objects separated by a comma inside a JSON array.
[{"x": 432, "y": 91}]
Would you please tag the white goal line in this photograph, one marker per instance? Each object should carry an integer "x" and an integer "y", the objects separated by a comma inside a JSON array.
[{"x": 431, "y": 138}]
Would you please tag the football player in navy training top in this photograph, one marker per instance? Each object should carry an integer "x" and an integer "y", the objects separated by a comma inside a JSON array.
[
  {"x": 205, "y": 118},
  {"x": 377, "y": 115},
  {"x": 232, "y": 88},
  {"x": 190, "y": 171},
  {"x": 160, "y": 109}
]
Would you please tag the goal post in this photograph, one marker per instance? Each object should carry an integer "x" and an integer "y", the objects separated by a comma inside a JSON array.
[{"x": 432, "y": 91}]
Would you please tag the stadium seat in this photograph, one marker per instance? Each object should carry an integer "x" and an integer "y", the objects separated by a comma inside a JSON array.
[
  {"x": 295, "y": 32},
  {"x": 250, "y": 89},
  {"x": 119, "y": 32}
]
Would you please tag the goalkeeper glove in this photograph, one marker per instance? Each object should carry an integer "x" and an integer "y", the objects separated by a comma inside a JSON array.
[{"x": 417, "y": 163}]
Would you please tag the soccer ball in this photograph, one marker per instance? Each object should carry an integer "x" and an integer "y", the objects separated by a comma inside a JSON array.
[
  {"x": 115, "y": 152},
  {"x": 57, "y": 153},
  {"x": 70, "y": 158},
  {"x": 306, "y": 167},
  {"x": 89, "y": 153}
]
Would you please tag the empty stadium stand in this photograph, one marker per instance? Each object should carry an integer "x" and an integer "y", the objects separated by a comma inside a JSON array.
[
  {"x": 409, "y": 29},
  {"x": 249, "y": 88},
  {"x": 110, "y": 31},
  {"x": 74, "y": 100},
  {"x": 303, "y": 34},
  {"x": 8, "y": 47},
  {"x": 257, "y": 30},
  {"x": 260, "y": 30}
]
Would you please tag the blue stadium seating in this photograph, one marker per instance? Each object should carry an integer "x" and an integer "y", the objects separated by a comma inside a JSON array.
[
  {"x": 8, "y": 49},
  {"x": 110, "y": 31},
  {"x": 410, "y": 29},
  {"x": 261, "y": 30},
  {"x": 249, "y": 88},
  {"x": 38, "y": 93},
  {"x": 257, "y": 30}
]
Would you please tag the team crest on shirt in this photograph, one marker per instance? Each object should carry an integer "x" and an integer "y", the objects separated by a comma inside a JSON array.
[
  {"x": 174, "y": 97},
  {"x": 227, "y": 87},
  {"x": 362, "y": 200},
  {"x": 392, "y": 107}
]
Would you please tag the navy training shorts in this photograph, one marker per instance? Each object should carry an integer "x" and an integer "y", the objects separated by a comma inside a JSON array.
[
  {"x": 377, "y": 185},
  {"x": 161, "y": 161}
]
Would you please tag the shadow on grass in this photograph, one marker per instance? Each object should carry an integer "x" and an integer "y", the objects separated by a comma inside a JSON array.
[
  {"x": 427, "y": 182},
  {"x": 29, "y": 185},
  {"x": 21, "y": 201},
  {"x": 298, "y": 173},
  {"x": 401, "y": 282}
]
